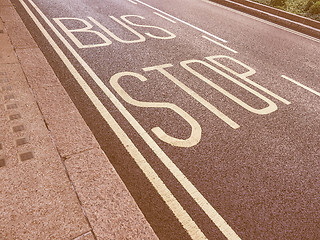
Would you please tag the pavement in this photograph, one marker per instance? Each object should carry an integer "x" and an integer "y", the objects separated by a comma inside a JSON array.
[{"x": 56, "y": 182}]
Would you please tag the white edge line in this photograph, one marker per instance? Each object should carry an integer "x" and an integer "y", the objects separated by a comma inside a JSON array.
[
  {"x": 83, "y": 235},
  {"x": 263, "y": 21},
  {"x": 132, "y": 1},
  {"x": 170, "y": 20},
  {"x": 184, "y": 181},
  {"x": 301, "y": 85},
  {"x": 184, "y": 218},
  {"x": 219, "y": 44},
  {"x": 186, "y": 23}
]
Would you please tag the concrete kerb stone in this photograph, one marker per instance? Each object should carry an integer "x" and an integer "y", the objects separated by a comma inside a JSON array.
[
  {"x": 112, "y": 212},
  {"x": 47, "y": 90},
  {"x": 7, "y": 55},
  {"x": 22, "y": 37},
  {"x": 283, "y": 18}
]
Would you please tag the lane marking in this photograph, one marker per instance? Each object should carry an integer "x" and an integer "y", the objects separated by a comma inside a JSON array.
[
  {"x": 132, "y": 1},
  {"x": 271, "y": 105},
  {"x": 186, "y": 23},
  {"x": 263, "y": 21},
  {"x": 193, "y": 94},
  {"x": 170, "y": 20},
  {"x": 219, "y": 44},
  {"x": 195, "y": 135},
  {"x": 190, "y": 226},
  {"x": 244, "y": 76},
  {"x": 301, "y": 85}
]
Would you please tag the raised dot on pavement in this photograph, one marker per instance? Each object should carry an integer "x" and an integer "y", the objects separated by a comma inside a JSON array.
[
  {"x": 9, "y": 97},
  {"x": 11, "y": 106},
  {"x": 0, "y": 146},
  {"x": 4, "y": 80},
  {"x": 14, "y": 116},
  {"x": 18, "y": 128},
  {"x": 2, "y": 162},
  {"x": 7, "y": 88},
  {"x": 21, "y": 141},
  {"x": 1, "y": 31},
  {"x": 26, "y": 156}
]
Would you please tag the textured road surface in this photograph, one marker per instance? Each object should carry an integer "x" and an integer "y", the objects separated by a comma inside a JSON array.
[{"x": 193, "y": 104}]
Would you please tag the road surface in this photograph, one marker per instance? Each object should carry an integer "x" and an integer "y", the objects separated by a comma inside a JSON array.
[{"x": 211, "y": 117}]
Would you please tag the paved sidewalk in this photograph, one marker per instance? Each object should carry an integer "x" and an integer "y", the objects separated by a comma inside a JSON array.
[{"x": 55, "y": 181}]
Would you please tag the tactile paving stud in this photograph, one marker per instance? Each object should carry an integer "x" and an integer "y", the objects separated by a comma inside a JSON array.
[
  {"x": 7, "y": 88},
  {"x": 11, "y": 106},
  {"x": 21, "y": 141},
  {"x": 26, "y": 156},
  {"x": 0, "y": 146},
  {"x": 4, "y": 80},
  {"x": 2, "y": 162},
  {"x": 1, "y": 31},
  {"x": 14, "y": 116},
  {"x": 8, "y": 97},
  {"x": 18, "y": 128}
]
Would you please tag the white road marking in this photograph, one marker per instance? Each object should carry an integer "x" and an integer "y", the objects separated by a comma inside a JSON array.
[
  {"x": 178, "y": 19},
  {"x": 125, "y": 18},
  {"x": 269, "y": 109},
  {"x": 88, "y": 28},
  {"x": 244, "y": 76},
  {"x": 193, "y": 94},
  {"x": 190, "y": 226},
  {"x": 301, "y": 85},
  {"x": 132, "y": 1},
  {"x": 195, "y": 135},
  {"x": 219, "y": 44},
  {"x": 170, "y": 20},
  {"x": 264, "y": 21},
  {"x": 184, "y": 218}
]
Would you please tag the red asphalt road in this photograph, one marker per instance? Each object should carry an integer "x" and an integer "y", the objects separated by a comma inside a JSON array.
[{"x": 256, "y": 162}]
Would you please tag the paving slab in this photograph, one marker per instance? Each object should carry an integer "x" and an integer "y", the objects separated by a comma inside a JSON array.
[
  {"x": 7, "y": 54},
  {"x": 8, "y": 13},
  {"x": 36, "y": 68},
  {"x": 110, "y": 208},
  {"x": 22, "y": 37},
  {"x": 5, "y": 3},
  {"x": 69, "y": 130},
  {"x": 37, "y": 201}
]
